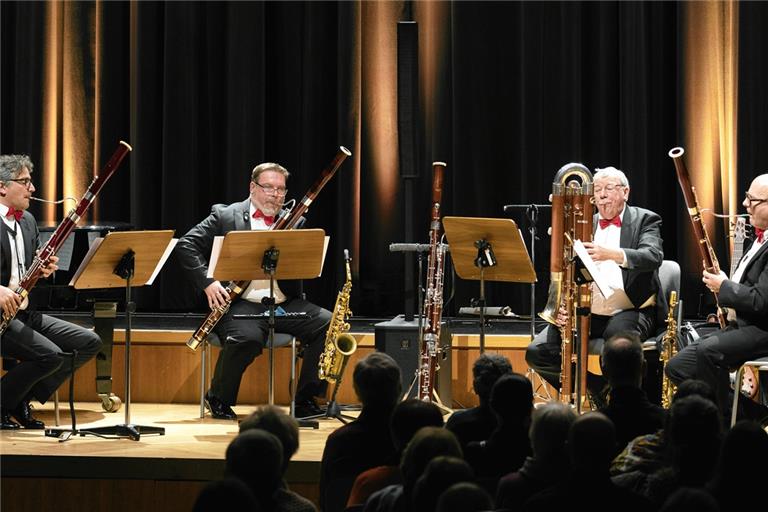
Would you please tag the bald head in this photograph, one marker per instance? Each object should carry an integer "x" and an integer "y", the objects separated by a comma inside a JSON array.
[{"x": 756, "y": 202}]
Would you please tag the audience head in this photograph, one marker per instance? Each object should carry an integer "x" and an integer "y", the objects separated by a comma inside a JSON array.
[
  {"x": 256, "y": 457},
  {"x": 464, "y": 497},
  {"x": 548, "y": 433},
  {"x": 743, "y": 461},
  {"x": 440, "y": 473},
  {"x": 409, "y": 416},
  {"x": 690, "y": 499},
  {"x": 512, "y": 399},
  {"x": 694, "y": 387},
  {"x": 427, "y": 443},
  {"x": 229, "y": 494},
  {"x": 693, "y": 435},
  {"x": 622, "y": 360},
  {"x": 486, "y": 371},
  {"x": 592, "y": 444},
  {"x": 376, "y": 380},
  {"x": 275, "y": 421}
]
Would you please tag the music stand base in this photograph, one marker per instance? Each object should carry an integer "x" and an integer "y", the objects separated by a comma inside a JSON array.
[
  {"x": 133, "y": 432},
  {"x": 333, "y": 411}
]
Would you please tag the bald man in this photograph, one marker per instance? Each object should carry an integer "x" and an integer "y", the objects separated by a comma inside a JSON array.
[{"x": 746, "y": 295}]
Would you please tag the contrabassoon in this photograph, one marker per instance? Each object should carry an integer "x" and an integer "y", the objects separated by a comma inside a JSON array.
[
  {"x": 288, "y": 219},
  {"x": 433, "y": 301},
  {"x": 59, "y": 236},
  {"x": 706, "y": 250}
]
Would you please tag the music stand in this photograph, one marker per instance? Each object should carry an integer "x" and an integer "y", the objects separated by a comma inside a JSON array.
[
  {"x": 249, "y": 255},
  {"x": 122, "y": 259},
  {"x": 488, "y": 250}
]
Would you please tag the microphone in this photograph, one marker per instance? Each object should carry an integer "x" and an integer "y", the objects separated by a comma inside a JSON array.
[
  {"x": 246, "y": 217},
  {"x": 489, "y": 311},
  {"x": 400, "y": 247},
  {"x": 508, "y": 207}
]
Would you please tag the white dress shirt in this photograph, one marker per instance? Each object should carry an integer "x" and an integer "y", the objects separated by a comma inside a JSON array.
[
  {"x": 259, "y": 288},
  {"x": 18, "y": 255}
]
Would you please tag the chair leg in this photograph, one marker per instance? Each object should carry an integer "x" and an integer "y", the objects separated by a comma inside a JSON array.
[
  {"x": 292, "y": 387},
  {"x": 203, "y": 376},
  {"x": 56, "y": 419},
  {"x": 736, "y": 393}
]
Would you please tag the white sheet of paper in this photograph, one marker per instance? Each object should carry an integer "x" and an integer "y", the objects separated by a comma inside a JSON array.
[
  {"x": 589, "y": 263},
  {"x": 218, "y": 241},
  {"x": 65, "y": 251},
  {"x": 160, "y": 263},
  {"x": 95, "y": 243}
]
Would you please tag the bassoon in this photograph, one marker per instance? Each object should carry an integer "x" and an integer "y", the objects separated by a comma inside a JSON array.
[
  {"x": 706, "y": 250},
  {"x": 433, "y": 301},
  {"x": 59, "y": 236},
  {"x": 288, "y": 219}
]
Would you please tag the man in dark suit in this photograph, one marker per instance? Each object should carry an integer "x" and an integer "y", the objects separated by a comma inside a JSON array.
[
  {"x": 627, "y": 249},
  {"x": 711, "y": 357},
  {"x": 243, "y": 340},
  {"x": 37, "y": 341}
]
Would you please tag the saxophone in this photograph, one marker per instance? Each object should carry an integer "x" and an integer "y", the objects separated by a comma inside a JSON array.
[
  {"x": 339, "y": 345},
  {"x": 668, "y": 351}
]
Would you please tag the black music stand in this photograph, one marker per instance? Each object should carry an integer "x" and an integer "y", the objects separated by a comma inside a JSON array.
[
  {"x": 488, "y": 250},
  {"x": 249, "y": 255},
  {"x": 123, "y": 259}
]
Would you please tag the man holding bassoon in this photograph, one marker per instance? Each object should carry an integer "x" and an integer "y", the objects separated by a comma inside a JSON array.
[{"x": 37, "y": 341}]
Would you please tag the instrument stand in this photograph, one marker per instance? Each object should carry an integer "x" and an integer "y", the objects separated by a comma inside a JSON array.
[
  {"x": 249, "y": 255},
  {"x": 99, "y": 270}
]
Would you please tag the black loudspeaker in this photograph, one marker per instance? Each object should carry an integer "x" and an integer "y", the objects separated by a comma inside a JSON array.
[
  {"x": 399, "y": 339},
  {"x": 408, "y": 96}
]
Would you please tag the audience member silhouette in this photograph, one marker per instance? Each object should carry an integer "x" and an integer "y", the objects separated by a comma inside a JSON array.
[
  {"x": 440, "y": 473},
  {"x": 427, "y": 443},
  {"x": 407, "y": 418},
  {"x": 364, "y": 443},
  {"x": 508, "y": 446},
  {"x": 692, "y": 443},
  {"x": 646, "y": 453},
  {"x": 275, "y": 421},
  {"x": 628, "y": 406},
  {"x": 690, "y": 499},
  {"x": 591, "y": 445},
  {"x": 256, "y": 458},
  {"x": 477, "y": 423},
  {"x": 549, "y": 463},
  {"x": 229, "y": 494},
  {"x": 743, "y": 466},
  {"x": 464, "y": 497}
]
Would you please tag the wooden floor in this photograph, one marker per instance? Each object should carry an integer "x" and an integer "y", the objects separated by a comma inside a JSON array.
[{"x": 37, "y": 469}]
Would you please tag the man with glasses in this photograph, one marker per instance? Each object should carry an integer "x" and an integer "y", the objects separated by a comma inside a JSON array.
[
  {"x": 244, "y": 340},
  {"x": 38, "y": 342},
  {"x": 711, "y": 357},
  {"x": 627, "y": 249}
]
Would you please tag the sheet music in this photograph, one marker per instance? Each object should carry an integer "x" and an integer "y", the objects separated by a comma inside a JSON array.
[
  {"x": 589, "y": 263},
  {"x": 615, "y": 298},
  {"x": 218, "y": 241},
  {"x": 95, "y": 243},
  {"x": 160, "y": 263},
  {"x": 65, "y": 251},
  {"x": 325, "y": 250}
]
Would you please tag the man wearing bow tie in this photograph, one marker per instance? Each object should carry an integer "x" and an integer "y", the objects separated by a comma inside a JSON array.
[
  {"x": 37, "y": 341},
  {"x": 243, "y": 340},
  {"x": 745, "y": 294},
  {"x": 627, "y": 248}
]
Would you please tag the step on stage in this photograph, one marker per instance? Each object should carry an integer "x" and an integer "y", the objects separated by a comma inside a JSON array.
[{"x": 155, "y": 473}]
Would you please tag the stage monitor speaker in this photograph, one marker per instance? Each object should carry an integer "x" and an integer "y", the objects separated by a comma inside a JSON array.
[{"x": 399, "y": 339}]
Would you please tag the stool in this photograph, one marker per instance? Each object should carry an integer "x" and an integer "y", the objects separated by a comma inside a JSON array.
[
  {"x": 281, "y": 340},
  {"x": 757, "y": 365}
]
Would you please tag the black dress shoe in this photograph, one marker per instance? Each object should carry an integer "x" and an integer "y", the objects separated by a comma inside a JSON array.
[
  {"x": 6, "y": 423},
  {"x": 219, "y": 409},
  {"x": 307, "y": 408},
  {"x": 23, "y": 414}
]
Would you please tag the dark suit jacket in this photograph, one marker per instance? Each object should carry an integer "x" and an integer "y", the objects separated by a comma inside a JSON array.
[
  {"x": 641, "y": 241},
  {"x": 31, "y": 236},
  {"x": 194, "y": 248},
  {"x": 750, "y": 297}
]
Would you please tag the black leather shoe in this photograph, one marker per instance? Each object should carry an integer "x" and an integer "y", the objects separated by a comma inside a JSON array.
[
  {"x": 307, "y": 408},
  {"x": 219, "y": 409},
  {"x": 6, "y": 423},
  {"x": 23, "y": 414}
]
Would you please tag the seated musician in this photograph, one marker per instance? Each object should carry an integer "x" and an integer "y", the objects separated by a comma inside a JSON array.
[
  {"x": 243, "y": 340},
  {"x": 627, "y": 249},
  {"x": 37, "y": 341},
  {"x": 711, "y": 357}
]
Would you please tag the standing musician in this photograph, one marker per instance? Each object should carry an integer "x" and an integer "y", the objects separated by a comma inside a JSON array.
[
  {"x": 746, "y": 296},
  {"x": 627, "y": 249},
  {"x": 244, "y": 340},
  {"x": 37, "y": 341}
]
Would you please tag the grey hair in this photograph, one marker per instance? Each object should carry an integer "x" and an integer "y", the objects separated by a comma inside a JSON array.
[
  {"x": 611, "y": 172},
  {"x": 11, "y": 166},
  {"x": 268, "y": 166}
]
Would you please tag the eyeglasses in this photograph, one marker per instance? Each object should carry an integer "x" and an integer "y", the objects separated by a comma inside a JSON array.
[
  {"x": 753, "y": 201},
  {"x": 269, "y": 189},
  {"x": 24, "y": 182},
  {"x": 607, "y": 188}
]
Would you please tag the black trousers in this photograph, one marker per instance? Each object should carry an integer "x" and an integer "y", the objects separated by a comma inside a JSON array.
[
  {"x": 38, "y": 342},
  {"x": 244, "y": 340},
  {"x": 544, "y": 352}
]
